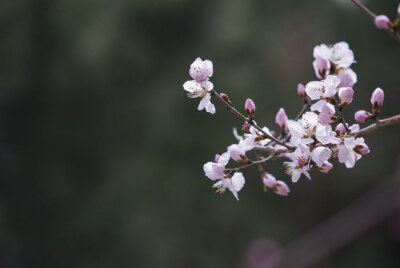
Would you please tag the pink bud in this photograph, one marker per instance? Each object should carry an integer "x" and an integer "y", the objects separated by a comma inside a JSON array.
[
  {"x": 361, "y": 116},
  {"x": 326, "y": 166},
  {"x": 225, "y": 97},
  {"x": 364, "y": 149},
  {"x": 377, "y": 99},
  {"x": 340, "y": 128},
  {"x": 250, "y": 108},
  {"x": 346, "y": 95},
  {"x": 281, "y": 119},
  {"x": 246, "y": 126},
  {"x": 281, "y": 188},
  {"x": 301, "y": 91},
  {"x": 217, "y": 156},
  {"x": 382, "y": 22}
]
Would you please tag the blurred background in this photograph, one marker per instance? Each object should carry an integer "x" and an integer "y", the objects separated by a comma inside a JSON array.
[{"x": 101, "y": 152}]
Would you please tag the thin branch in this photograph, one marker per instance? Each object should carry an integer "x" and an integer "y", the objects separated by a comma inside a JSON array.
[
  {"x": 341, "y": 118},
  {"x": 303, "y": 110},
  {"x": 241, "y": 116},
  {"x": 259, "y": 162},
  {"x": 379, "y": 124},
  {"x": 392, "y": 31}
]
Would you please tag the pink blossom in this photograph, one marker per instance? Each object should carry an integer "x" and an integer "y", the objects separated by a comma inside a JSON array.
[
  {"x": 238, "y": 152},
  {"x": 201, "y": 70},
  {"x": 281, "y": 119},
  {"x": 347, "y": 77},
  {"x": 323, "y": 89},
  {"x": 197, "y": 90},
  {"x": 382, "y": 22},
  {"x": 361, "y": 116},
  {"x": 300, "y": 163},
  {"x": 345, "y": 95},
  {"x": 216, "y": 170},
  {"x": 250, "y": 108},
  {"x": 377, "y": 99},
  {"x": 342, "y": 56},
  {"x": 327, "y": 114},
  {"x": 341, "y": 129},
  {"x": 320, "y": 154},
  {"x": 301, "y": 91},
  {"x": 348, "y": 150},
  {"x": 234, "y": 184}
]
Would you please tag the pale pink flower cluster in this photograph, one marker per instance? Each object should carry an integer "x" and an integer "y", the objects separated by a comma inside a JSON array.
[{"x": 312, "y": 141}]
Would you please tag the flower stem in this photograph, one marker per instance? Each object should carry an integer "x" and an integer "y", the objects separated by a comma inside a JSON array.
[{"x": 251, "y": 122}]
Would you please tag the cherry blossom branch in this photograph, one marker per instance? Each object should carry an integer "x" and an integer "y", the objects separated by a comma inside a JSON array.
[
  {"x": 241, "y": 116},
  {"x": 379, "y": 124},
  {"x": 390, "y": 30}
]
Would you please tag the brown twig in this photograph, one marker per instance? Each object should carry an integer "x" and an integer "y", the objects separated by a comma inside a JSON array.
[
  {"x": 379, "y": 124},
  {"x": 253, "y": 163}
]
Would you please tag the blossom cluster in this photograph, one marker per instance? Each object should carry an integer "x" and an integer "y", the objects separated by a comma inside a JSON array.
[{"x": 312, "y": 140}]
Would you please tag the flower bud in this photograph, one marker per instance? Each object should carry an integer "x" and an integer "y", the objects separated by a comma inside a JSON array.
[
  {"x": 225, "y": 98},
  {"x": 361, "y": 149},
  {"x": 341, "y": 129},
  {"x": 301, "y": 91},
  {"x": 250, "y": 108},
  {"x": 281, "y": 188},
  {"x": 362, "y": 116},
  {"x": 200, "y": 70},
  {"x": 246, "y": 126},
  {"x": 382, "y": 22},
  {"x": 377, "y": 99},
  {"x": 347, "y": 77},
  {"x": 326, "y": 166},
  {"x": 217, "y": 156},
  {"x": 346, "y": 95},
  {"x": 281, "y": 119}
]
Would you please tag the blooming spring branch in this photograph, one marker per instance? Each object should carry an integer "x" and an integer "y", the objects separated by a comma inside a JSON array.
[{"x": 317, "y": 134}]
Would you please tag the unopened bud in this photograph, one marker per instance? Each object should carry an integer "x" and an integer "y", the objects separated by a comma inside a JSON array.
[
  {"x": 382, "y": 22},
  {"x": 346, "y": 95},
  {"x": 326, "y": 166},
  {"x": 377, "y": 99},
  {"x": 301, "y": 91},
  {"x": 341, "y": 129},
  {"x": 225, "y": 98},
  {"x": 281, "y": 119},
  {"x": 217, "y": 156},
  {"x": 361, "y": 149},
  {"x": 250, "y": 108},
  {"x": 362, "y": 116},
  {"x": 246, "y": 126}
]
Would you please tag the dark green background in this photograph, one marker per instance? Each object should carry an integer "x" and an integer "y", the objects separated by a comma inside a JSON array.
[{"x": 101, "y": 152}]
